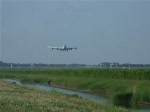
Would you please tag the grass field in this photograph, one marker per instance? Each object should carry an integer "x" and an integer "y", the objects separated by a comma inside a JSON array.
[
  {"x": 109, "y": 82},
  {"x": 15, "y": 98}
]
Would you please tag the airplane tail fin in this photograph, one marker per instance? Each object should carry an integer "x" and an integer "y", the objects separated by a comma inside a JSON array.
[{"x": 64, "y": 46}]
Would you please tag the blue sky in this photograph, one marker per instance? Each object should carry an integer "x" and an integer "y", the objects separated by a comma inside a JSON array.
[{"x": 103, "y": 31}]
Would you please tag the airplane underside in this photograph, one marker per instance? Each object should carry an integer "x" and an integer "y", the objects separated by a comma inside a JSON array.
[{"x": 64, "y": 48}]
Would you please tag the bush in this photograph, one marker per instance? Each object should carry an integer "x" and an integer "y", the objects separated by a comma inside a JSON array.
[{"x": 123, "y": 99}]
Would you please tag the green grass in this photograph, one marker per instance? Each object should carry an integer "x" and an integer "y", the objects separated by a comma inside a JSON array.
[
  {"x": 15, "y": 98},
  {"x": 109, "y": 82}
]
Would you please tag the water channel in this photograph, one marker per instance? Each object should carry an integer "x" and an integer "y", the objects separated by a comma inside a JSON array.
[{"x": 95, "y": 98}]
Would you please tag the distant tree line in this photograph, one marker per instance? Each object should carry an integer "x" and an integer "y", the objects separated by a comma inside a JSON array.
[
  {"x": 3, "y": 64},
  {"x": 102, "y": 65},
  {"x": 113, "y": 65}
]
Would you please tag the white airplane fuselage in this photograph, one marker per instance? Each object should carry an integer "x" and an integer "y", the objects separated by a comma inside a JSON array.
[{"x": 64, "y": 48}]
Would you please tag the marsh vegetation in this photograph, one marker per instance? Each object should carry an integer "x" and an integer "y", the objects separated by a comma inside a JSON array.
[
  {"x": 116, "y": 84},
  {"x": 15, "y": 98}
]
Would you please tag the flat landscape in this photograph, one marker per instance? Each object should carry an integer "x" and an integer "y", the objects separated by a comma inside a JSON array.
[
  {"x": 125, "y": 88},
  {"x": 75, "y": 56},
  {"x": 18, "y": 98}
]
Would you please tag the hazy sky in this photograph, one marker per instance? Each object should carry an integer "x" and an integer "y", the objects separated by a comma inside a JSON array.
[{"x": 103, "y": 31}]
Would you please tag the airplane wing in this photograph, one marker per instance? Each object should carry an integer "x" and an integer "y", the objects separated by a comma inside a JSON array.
[
  {"x": 58, "y": 48},
  {"x": 62, "y": 48},
  {"x": 70, "y": 48}
]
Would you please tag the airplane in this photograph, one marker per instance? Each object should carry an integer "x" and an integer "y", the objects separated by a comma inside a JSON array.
[{"x": 64, "y": 48}]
